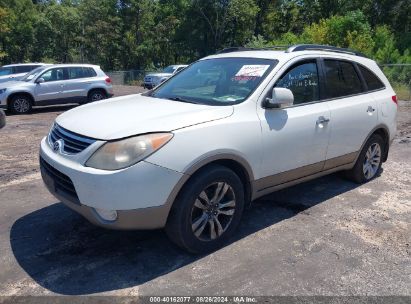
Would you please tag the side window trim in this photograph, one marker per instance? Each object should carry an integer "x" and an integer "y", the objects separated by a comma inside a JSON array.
[
  {"x": 65, "y": 74},
  {"x": 299, "y": 63},
  {"x": 363, "y": 86},
  {"x": 271, "y": 84},
  {"x": 322, "y": 78},
  {"x": 360, "y": 75},
  {"x": 358, "y": 65}
]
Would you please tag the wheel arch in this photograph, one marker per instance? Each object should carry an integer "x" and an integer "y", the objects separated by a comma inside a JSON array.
[
  {"x": 233, "y": 162},
  {"x": 96, "y": 89},
  {"x": 383, "y": 131},
  {"x": 10, "y": 97}
]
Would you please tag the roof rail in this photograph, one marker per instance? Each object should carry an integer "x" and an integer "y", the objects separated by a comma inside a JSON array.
[
  {"x": 295, "y": 48},
  {"x": 320, "y": 47},
  {"x": 243, "y": 49},
  {"x": 235, "y": 49}
]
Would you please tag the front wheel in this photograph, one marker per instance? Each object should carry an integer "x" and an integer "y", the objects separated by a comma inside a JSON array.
[
  {"x": 207, "y": 211},
  {"x": 20, "y": 104},
  {"x": 369, "y": 161}
]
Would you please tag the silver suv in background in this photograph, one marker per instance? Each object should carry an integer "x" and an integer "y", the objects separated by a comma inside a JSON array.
[
  {"x": 154, "y": 79},
  {"x": 56, "y": 84},
  {"x": 17, "y": 71}
]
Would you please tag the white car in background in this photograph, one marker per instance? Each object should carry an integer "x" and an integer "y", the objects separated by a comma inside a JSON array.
[
  {"x": 154, "y": 79},
  {"x": 17, "y": 71},
  {"x": 228, "y": 129},
  {"x": 55, "y": 84}
]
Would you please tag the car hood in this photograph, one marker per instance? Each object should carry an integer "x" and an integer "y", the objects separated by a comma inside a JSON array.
[
  {"x": 159, "y": 75},
  {"x": 136, "y": 114}
]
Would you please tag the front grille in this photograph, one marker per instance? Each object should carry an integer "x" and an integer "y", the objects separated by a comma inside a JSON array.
[
  {"x": 58, "y": 183},
  {"x": 72, "y": 142}
]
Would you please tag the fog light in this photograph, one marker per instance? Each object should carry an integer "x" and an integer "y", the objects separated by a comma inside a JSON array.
[{"x": 107, "y": 215}]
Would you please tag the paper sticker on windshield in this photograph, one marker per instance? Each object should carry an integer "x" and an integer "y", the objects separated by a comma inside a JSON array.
[{"x": 253, "y": 70}]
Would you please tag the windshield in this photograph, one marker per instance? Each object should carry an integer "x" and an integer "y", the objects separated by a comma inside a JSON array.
[
  {"x": 219, "y": 81},
  {"x": 4, "y": 71},
  {"x": 170, "y": 69},
  {"x": 33, "y": 74}
]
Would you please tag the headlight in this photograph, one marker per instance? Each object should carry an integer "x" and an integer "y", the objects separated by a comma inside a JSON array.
[
  {"x": 2, "y": 91},
  {"x": 126, "y": 152}
]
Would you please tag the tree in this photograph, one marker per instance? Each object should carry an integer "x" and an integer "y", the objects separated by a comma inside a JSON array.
[
  {"x": 4, "y": 30},
  {"x": 19, "y": 21}
]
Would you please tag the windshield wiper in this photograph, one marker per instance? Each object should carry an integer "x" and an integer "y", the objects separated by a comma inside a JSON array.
[{"x": 181, "y": 99}]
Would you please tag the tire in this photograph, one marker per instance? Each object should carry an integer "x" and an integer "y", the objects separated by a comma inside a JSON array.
[
  {"x": 199, "y": 227},
  {"x": 369, "y": 161},
  {"x": 20, "y": 104},
  {"x": 96, "y": 95}
]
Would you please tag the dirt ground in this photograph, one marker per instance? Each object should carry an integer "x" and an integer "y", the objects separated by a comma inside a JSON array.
[{"x": 324, "y": 237}]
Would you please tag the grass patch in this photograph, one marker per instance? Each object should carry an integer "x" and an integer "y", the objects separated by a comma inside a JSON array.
[{"x": 402, "y": 90}]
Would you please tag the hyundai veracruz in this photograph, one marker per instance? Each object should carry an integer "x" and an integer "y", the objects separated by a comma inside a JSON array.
[{"x": 230, "y": 128}]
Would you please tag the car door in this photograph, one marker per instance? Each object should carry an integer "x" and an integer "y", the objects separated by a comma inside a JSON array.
[
  {"x": 295, "y": 138},
  {"x": 353, "y": 111},
  {"x": 51, "y": 91},
  {"x": 78, "y": 82}
]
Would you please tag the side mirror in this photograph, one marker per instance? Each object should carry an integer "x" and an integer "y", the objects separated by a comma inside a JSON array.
[
  {"x": 40, "y": 80},
  {"x": 281, "y": 97}
]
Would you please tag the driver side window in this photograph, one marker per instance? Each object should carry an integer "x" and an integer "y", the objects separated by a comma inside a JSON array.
[
  {"x": 54, "y": 75},
  {"x": 302, "y": 80}
]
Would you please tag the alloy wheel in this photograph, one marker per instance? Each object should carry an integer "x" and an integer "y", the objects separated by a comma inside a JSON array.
[
  {"x": 97, "y": 96},
  {"x": 213, "y": 211},
  {"x": 372, "y": 161},
  {"x": 21, "y": 105}
]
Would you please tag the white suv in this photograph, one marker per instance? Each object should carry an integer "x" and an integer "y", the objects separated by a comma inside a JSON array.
[
  {"x": 227, "y": 130},
  {"x": 55, "y": 84}
]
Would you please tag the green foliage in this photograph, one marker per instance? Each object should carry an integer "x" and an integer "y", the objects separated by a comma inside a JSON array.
[{"x": 138, "y": 34}]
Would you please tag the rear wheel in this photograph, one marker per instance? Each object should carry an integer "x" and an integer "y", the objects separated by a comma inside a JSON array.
[
  {"x": 369, "y": 161},
  {"x": 96, "y": 95},
  {"x": 207, "y": 211},
  {"x": 20, "y": 104}
]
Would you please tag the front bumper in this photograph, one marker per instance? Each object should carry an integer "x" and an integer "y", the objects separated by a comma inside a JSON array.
[{"x": 140, "y": 194}]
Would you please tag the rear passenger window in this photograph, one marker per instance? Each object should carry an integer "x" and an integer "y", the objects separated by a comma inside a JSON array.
[
  {"x": 341, "y": 79},
  {"x": 302, "y": 80},
  {"x": 373, "y": 82},
  {"x": 76, "y": 72},
  {"x": 89, "y": 72}
]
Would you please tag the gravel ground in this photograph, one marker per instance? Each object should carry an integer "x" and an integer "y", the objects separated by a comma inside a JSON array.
[{"x": 324, "y": 237}]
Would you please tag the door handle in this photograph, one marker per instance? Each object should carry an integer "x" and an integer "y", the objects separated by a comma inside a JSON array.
[
  {"x": 321, "y": 120},
  {"x": 370, "y": 109}
]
